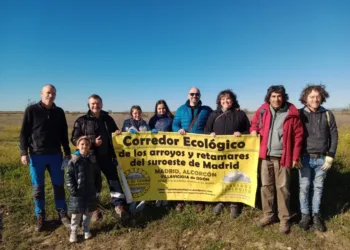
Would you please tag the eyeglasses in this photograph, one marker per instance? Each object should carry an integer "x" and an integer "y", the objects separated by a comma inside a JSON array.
[{"x": 195, "y": 94}]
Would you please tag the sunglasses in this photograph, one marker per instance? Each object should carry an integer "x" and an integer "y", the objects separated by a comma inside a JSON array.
[{"x": 195, "y": 94}]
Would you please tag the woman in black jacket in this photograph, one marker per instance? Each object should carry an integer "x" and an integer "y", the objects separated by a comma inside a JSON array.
[
  {"x": 228, "y": 119},
  {"x": 83, "y": 182}
]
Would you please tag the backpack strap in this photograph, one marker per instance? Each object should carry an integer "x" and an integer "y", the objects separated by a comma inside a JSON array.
[
  {"x": 194, "y": 120},
  {"x": 222, "y": 114},
  {"x": 328, "y": 119}
]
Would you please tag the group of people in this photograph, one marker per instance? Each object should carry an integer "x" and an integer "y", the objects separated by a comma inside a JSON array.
[{"x": 289, "y": 138}]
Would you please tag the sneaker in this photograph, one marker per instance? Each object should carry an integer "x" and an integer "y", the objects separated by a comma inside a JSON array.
[
  {"x": 265, "y": 221},
  {"x": 284, "y": 227},
  {"x": 122, "y": 213},
  {"x": 73, "y": 237},
  {"x": 64, "y": 219},
  {"x": 87, "y": 235},
  {"x": 305, "y": 222},
  {"x": 234, "y": 208},
  {"x": 200, "y": 207},
  {"x": 318, "y": 223},
  {"x": 96, "y": 216},
  {"x": 39, "y": 227},
  {"x": 218, "y": 208},
  {"x": 180, "y": 207}
]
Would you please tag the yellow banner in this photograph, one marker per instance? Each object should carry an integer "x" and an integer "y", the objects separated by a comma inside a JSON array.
[{"x": 169, "y": 166}]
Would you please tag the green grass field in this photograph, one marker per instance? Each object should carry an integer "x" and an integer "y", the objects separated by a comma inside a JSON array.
[{"x": 166, "y": 229}]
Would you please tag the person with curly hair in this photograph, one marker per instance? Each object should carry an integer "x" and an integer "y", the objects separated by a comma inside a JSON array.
[{"x": 319, "y": 147}]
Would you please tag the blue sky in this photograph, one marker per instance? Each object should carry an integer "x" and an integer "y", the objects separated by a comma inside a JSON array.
[{"x": 137, "y": 52}]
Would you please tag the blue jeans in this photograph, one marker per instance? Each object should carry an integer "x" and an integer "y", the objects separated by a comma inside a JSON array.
[
  {"x": 37, "y": 167},
  {"x": 311, "y": 179}
]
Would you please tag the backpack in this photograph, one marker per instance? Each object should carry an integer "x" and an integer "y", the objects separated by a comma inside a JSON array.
[{"x": 327, "y": 115}]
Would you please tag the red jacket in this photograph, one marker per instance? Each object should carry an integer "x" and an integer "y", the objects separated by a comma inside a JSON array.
[{"x": 292, "y": 133}]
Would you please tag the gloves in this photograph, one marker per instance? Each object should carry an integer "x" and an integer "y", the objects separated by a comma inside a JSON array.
[
  {"x": 328, "y": 161},
  {"x": 154, "y": 131},
  {"x": 132, "y": 131}
]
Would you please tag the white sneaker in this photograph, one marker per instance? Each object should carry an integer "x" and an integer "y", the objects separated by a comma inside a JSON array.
[
  {"x": 87, "y": 235},
  {"x": 73, "y": 237}
]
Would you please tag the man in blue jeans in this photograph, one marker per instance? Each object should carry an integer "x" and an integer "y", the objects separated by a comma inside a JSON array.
[
  {"x": 319, "y": 148},
  {"x": 43, "y": 132}
]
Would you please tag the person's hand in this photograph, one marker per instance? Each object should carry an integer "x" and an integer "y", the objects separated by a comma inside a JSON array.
[
  {"x": 25, "y": 160},
  {"x": 118, "y": 132},
  {"x": 181, "y": 131},
  {"x": 328, "y": 161},
  {"x": 213, "y": 134},
  {"x": 154, "y": 131},
  {"x": 254, "y": 133},
  {"x": 237, "y": 134},
  {"x": 132, "y": 131},
  {"x": 98, "y": 141},
  {"x": 297, "y": 164}
]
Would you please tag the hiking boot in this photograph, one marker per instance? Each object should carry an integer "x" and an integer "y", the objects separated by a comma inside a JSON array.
[
  {"x": 318, "y": 223},
  {"x": 284, "y": 227},
  {"x": 265, "y": 221},
  {"x": 64, "y": 219},
  {"x": 234, "y": 208},
  {"x": 122, "y": 213},
  {"x": 200, "y": 207},
  {"x": 39, "y": 227},
  {"x": 179, "y": 207},
  {"x": 73, "y": 236},
  {"x": 218, "y": 208},
  {"x": 305, "y": 222},
  {"x": 96, "y": 216}
]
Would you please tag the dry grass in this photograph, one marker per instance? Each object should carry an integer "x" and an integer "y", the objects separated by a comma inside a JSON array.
[{"x": 165, "y": 229}]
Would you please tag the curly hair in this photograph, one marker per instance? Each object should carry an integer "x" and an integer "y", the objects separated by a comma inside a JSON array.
[
  {"x": 166, "y": 108},
  {"x": 276, "y": 89},
  {"x": 232, "y": 95},
  {"x": 321, "y": 89}
]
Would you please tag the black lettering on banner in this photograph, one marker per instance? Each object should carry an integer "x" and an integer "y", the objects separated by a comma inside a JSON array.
[{"x": 206, "y": 143}]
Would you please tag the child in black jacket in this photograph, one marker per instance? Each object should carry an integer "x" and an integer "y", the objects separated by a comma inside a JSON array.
[{"x": 83, "y": 182}]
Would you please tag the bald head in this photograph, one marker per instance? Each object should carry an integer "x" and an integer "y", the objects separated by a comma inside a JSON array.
[
  {"x": 48, "y": 95},
  {"x": 194, "y": 95}
]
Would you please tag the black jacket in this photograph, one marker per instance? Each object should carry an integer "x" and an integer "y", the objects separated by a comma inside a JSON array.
[
  {"x": 44, "y": 130},
  {"x": 320, "y": 136},
  {"x": 233, "y": 120},
  {"x": 87, "y": 125},
  {"x": 84, "y": 180}
]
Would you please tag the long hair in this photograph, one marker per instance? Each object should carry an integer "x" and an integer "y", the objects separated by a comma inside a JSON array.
[
  {"x": 309, "y": 88},
  {"x": 166, "y": 108},
  {"x": 276, "y": 89},
  {"x": 137, "y": 107},
  {"x": 232, "y": 95}
]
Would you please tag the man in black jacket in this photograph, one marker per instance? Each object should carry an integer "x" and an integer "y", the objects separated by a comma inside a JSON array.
[
  {"x": 98, "y": 126},
  {"x": 43, "y": 132}
]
